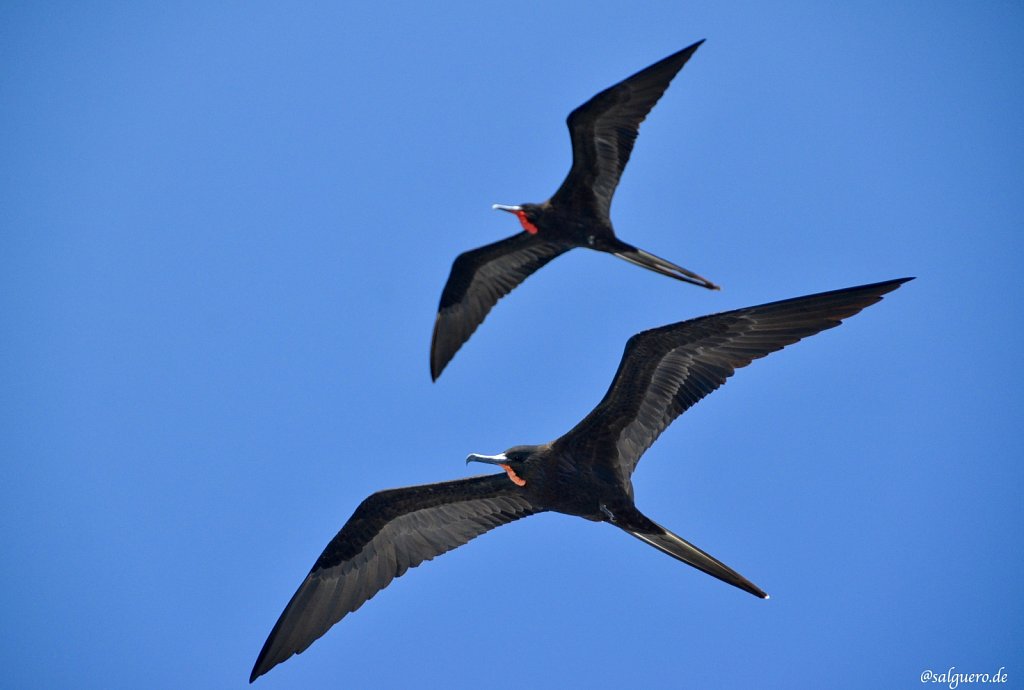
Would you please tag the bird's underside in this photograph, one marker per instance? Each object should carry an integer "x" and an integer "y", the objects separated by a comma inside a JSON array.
[
  {"x": 603, "y": 131},
  {"x": 587, "y": 471}
]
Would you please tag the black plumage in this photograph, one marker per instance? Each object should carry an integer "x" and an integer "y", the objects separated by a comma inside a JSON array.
[
  {"x": 603, "y": 131},
  {"x": 586, "y": 472}
]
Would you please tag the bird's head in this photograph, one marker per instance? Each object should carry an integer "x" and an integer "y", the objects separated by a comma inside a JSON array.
[
  {"x": 516, "y": 462},
  {"x": 528, "y": 215}
]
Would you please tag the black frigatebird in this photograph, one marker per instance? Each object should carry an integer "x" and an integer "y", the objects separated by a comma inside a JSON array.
[
  {"x": 603, "y": 131},
  {"x": 587, "y": 472}
]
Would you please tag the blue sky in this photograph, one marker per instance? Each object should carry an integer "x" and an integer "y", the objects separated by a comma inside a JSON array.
[{"x": 224, "y": 229}]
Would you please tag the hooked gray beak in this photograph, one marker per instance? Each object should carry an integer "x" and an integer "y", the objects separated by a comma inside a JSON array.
[
  {"x": 498, "y": 459},
  {"x": 510, "y": 209}
]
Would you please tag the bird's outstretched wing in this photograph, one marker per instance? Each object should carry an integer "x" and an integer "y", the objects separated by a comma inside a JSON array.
[
  {"x": 604, "y": 129},
  {"x": 666, "y": 370},
  {"x": 390, "y": 532},
  {"x": 479, "y": 278}
]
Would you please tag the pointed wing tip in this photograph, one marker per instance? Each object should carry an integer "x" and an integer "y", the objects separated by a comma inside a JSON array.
[
  {"x": 679, "y": 58},
  {"x": 887, "y": 286},
  {"x": 438, "y": 361},
  {"x": 863, "y": 296},
  {"x": 257, "y": 671},
  {"x": 263, "y": 664},
  {"x": 872, "y": 292},
  {"x": 690, "y": 49}
]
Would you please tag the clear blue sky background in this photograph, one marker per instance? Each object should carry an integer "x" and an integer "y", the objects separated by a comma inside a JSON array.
[{"x": 224, "y": 229}]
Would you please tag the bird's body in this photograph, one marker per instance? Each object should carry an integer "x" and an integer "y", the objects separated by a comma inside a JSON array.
[
  {"x": 586, "y": 472},
  {"x": 603, "y": 131}
]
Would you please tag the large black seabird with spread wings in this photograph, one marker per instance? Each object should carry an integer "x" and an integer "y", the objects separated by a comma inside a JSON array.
[
  {"x": 587, "y": 472},
  {"x": 603, "y": 131}
]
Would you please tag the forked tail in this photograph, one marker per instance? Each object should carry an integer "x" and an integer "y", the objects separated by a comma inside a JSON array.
[
  {"x": 639, "y": 257},
  {"x": 679, "y": 548}
]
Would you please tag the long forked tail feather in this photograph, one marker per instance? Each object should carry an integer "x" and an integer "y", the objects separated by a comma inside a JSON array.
[
  {"x": 679, "y": 548},
  {"x": 639, "y": 257}
]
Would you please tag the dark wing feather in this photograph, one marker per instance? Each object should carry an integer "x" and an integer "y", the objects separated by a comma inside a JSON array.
[
  {"x": 604, "y": 129},
  {"x": 390, "y": 532},
  {"x": 666, "y": 370},
  {"x": 479, "y": 278}
]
